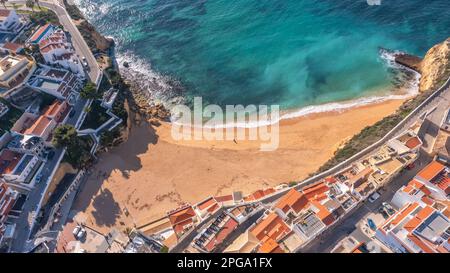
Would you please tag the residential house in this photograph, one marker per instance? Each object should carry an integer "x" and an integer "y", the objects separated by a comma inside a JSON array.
[
  {"x": 60, "y": 83},
  {"x": 268, "y": 231},
  {"x": 182, "y": 219},
  {"x": 436, "y": 177},
  {"x": 416, "y": 228},
  {"x": 215, "y": 233},
  {"x": 9, "y": 20},
  {"x": 207, "y": 207},
  {"x": 57, "y": 50},
  {"x": 14, "y": 70},
  {"x": 41, "y": 33},
  {"x": 17, "y": 168}
]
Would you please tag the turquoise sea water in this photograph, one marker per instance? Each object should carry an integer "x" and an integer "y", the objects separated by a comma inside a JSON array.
[{"x": 294, "y": 53}]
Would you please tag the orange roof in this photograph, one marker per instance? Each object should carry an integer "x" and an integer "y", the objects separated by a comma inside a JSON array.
[
  {"x": 292, "y": 200},
  {"x": 224, "y": 198},
  {"x": 431, "y": 171},
  {"x": 270, "y": 246},
  {"x": 206, "y": 204},
  {"x": 402, "y": 214},
  {"x": 316, "y": 191},
  {"x": 181, "y": 215},
  {"x": 270, "y": 227},
  {"x": 54, "y": 108},
  {"x": 414, "y": 184},
  {"x": 9, "y": 161},
  {"x": 213, "y": 208},
  {"x": 39, "y": 126},
  {"x": 12, "y": 46},
  {"x": 418, "y": 218},
  {"x": 413, "y": 142},
  {"x": 420, "y": 243},
  {"x": 324, "y": 214},
  {"x": 178, "y": 228}
]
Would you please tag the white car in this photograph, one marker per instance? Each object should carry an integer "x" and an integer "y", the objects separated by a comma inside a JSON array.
[
  {"x": 374, "y": 197},
  {"x": 76, "y": 230},
  {"x": 81, "y": 233}
]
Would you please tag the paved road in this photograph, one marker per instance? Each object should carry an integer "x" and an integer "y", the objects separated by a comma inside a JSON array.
[{"x": 78, "y": 42}]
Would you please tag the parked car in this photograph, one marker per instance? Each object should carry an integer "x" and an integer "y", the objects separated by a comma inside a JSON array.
[
  {"x": 384, "y": 212},
  {"x": 374, "y": 197},
  {"x": 81, "y": 234},
  {"x": 371, "y": 224},
  {"x": 75, "y": 231},
  {"x": 84, "y": 62},
  {"x": 38, "y": 178},
  {"x": 389, "y": 208}
]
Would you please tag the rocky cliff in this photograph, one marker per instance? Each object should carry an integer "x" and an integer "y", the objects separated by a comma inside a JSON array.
[{"x": 434, "y": 67}]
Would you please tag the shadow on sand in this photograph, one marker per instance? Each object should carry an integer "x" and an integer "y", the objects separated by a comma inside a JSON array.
[{"x": 107, "y": 210}]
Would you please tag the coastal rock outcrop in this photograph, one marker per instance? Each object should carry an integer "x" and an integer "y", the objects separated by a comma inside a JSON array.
[{"x": 434, "y": 67}]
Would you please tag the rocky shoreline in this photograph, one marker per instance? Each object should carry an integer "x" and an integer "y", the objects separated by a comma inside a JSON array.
[
  {"x": 434, "y": 67},
  {"x": 138, "y": 102}
]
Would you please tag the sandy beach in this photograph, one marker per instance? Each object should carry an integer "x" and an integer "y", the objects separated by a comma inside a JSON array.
[{"x": 143, "y": 178}]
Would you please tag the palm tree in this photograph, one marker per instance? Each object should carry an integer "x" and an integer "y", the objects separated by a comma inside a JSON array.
[
  {"x": 4, "y": 2},
  {"x": 30, "y": 4}
]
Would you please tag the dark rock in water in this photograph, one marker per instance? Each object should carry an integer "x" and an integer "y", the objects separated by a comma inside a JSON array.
[
  {"x": 409, "y": 61},
  {"x": 126, "y": 64}
]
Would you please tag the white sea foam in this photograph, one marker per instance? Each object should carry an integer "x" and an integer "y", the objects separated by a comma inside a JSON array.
[{"x": 161, "y": 88}]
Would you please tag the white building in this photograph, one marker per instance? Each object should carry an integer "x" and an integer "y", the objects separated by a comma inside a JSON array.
[
  {"x": 57, "y": 50},
  {"x": 18, "y": 168},
  {"x": 60, "y": 83},
  {"x": 9, "y": 21},
  {"x": 416, "y": 228}
]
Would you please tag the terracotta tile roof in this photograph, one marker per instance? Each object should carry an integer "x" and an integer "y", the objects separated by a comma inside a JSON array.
[
  {"x": 418, "y": 218},
  {"x": 271, "y": 227},
  {"x": 56, "y": 107},
  {"x": 181, "y": 215},
  {"x": 179, "y": 228},
  {"x": 420, "y": 243},
  {"x": 207, "y": 203},
  {"x": 413, "y": 142},
  {"x": 5, "y": 12},
  {"x": 324, "y": 214},
  {"x": 292, "y": 200},
  {"x": 270, "y": 246},
  {"x": 416, "y": 185},
  {"x": 316, "y": 191},
  {"x": 12, "y": 46},
  {"x": 229, "y": 226},
  {"x": 224, "y": 198},
  {"x": 9, "y": 161},
  {"x": 431, "y": 171},
  {"x": 395, "y": 219},
  {"x": 39, "y": 126}
]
